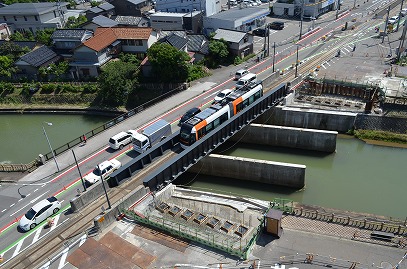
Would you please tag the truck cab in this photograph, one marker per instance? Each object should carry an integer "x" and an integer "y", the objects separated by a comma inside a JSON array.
[
  {"x": 140, "y": 143},
  {"x": 151, "y": 135}
]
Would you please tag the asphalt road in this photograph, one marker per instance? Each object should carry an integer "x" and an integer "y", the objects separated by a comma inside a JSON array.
[{"x": 17, "y": 198}]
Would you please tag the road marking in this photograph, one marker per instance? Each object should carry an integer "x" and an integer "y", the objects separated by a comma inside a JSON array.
[
  {"x": 323, "y": 66},
  {"x": 18, "y": 247},
  {"x": 63, "y": 258},
  {"x": 46, "y": 265},
  {"x": 35, "y": 199},
  {"x": 83, "y": 239},
  {"x": 35, "y": 190},
  {"x": 3, "y": 210},
  {"x": 20, "y": 200},
  {"x": 37, "y": 234},
  {"x": 56, "y": 218},
  {"x": 12, "y": 205}
]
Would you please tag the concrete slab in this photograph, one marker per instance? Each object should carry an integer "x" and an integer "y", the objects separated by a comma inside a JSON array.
[{"x": 82, "y": 260}]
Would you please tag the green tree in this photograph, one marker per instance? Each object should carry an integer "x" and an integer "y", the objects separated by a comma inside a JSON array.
[
  {"x": 73, "y": 22},
  {"x": 116, "y": 81},
  {"x": 22, "y": 36},
  {"x": 44, "y": 36},
  {"x": 7, "y": 68},
  {"x": 168, "y": 63},
  {"x": 218, "y": 51},
  {"x": 129, "y": 58},
  {"x": 12, "y": 50}
]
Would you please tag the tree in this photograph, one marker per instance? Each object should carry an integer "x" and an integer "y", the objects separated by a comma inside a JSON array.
[
  {"x": 129, "y": 58},
  {"x": 218, "y": 51},
  {"x": 12, "y": 50},
  {"x": 44, "y": 36},
  {"x": 73, "y": 22},
  {"x": 22, "y": 36},
  {"x": 7, "y": 68},
  {"x": 116, "y": 81},
  {"x": 168, "y": 63}
]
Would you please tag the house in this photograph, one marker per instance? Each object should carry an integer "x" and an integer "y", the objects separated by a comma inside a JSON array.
[
  {"x": 177, "y": 41},
  {"x": 29, "y": 64},
  {"x": 99, "y": 21},
  {"x": 207, "y": 7},
  {"x": 66, "y": 40},
  {"x": 132, "y": 21},
  {"x": 34, "y": 16},
  {"x": 239, "y": 43},
  {"x": 177, "y": 21},
  {"x": 240, "y": 19},
  {"x": 105, "y": 9},
  {"x": 131, "y": 7},
  {"x": 4, "y": 31},
  {"x": 106, "y": 44},
  {"x": 198, "y": 45},
  {"x": 311, "y": 8}
]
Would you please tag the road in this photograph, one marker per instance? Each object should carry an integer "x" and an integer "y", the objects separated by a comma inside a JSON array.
[{"x": 17, "y": 198}]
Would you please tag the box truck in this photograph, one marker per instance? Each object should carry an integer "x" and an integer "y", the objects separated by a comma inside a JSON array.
[{"x": 151, "y": 135}]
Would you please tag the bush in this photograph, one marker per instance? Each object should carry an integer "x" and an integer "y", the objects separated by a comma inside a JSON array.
[
  {"x": 90, "y": 88},
  {"x": 68, "y": 88},
  {"x": 48, "y": 88}
]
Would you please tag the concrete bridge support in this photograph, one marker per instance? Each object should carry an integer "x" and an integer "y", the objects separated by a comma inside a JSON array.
[
  {"x": 282, "y": 174},
  {"x": 309, "y": 139}
]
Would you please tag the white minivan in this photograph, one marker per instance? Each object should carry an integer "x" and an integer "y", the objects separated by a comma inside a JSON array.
[
  {"x": 241, "y": 73},
  {"x": 121, "y": 139},
  {"x": 246, "y": 80}
]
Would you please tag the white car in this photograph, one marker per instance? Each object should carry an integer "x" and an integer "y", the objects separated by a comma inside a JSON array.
[
  {"x": 222, "y": 95},
  {"x": 39, "y": 212},
  {"x": 104, "y": 169},
  {"x": 403, "y": 12},
  {"x": 393, "y": 19}
]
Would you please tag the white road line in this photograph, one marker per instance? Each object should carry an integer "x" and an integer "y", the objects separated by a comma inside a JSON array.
[
  {"x": 63, "y": 258},
  {"x": 35, "y": 190},
  {"x": 56, "y": 218},
  {"x": 12, "y": 205},
  {"x": 46, "y": 265},
  {"x": 37, "y": 235},
  {"x": 346, "y": 49},
  {"x": 323, "y": 66},
  {"x": 28, "y": 195},
  {"x": 35, "y": 199},
  {"x": 3, "y": 210},
  {"x": 83, "y": 239},
  {"x": 20, "y": 199},
  {"x": 18, "y": 247},
  {"x": 328, "y": 63}
]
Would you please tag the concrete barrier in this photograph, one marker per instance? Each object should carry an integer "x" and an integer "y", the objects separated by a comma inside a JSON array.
[
  {"x": 282, "y": 174},
  {"x": 309, "y": 118},
  {"x": 87, "y": 197},
  {"x": 309, "y": 139}
]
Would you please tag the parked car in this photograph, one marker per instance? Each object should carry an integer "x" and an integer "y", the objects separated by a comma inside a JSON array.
[
  {"x": 261, "y": 32},
  {"x": 247, "y": 3},
  {"x": 394, "y": 20},
  {"x": 189, "y": 114},
  {"x": 222, "y": 95},
  {"x": 102, "y": 170},
  {"x": 121, "y": 139},
  {"x": 403, "y": 12},
  {"x": 241, "y": 73},
  {"x": 277, "y": 25},
  {"x": 39, "y": 212}
]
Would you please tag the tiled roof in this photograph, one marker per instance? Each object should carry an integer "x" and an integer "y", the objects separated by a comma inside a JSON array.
[
  {"x": 30, "y": 8},
  {"x": 104, "y": 21},
  {"x": 40, "y": 57},
  {"x": 95, "y": 10},
  {"x": 136, "y": 2},
  {"x": 69, "y": 33},
  {"x": 198, "y": 43},
  {"x": 105, "y": 36},
  {"x": 175, "y": 41},
  {"x": 106, "y": 6},
  {"x": 131, "y": 20},
  {"x": 229, "y": 35}
]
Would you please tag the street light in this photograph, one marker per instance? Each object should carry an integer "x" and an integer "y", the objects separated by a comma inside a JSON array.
[
  {"x": 104, "y": 188},
  {"x": 46, "y": 136}
]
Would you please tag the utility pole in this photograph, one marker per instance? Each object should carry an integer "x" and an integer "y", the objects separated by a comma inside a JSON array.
[
  {"x": 401, "y": 46},
  {"x": 274, "y": 54},
  {"x": 296, "y": 64},
  {"x": 104, "y": 188},
  {"x": 337, "y": 8},
  {"x": 79, "y": 170},
  {"x": 398, "y": 22},
  {"x": 301, "y": 18},
  {"x": 268, "y": 40},
  {"x": 385, "y": 25}
]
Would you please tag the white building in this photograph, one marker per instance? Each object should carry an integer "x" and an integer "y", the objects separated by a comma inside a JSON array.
[
  {"x": 191, "y": 21},
  {"x": 312, "y": 8},
  {"x": 208, "y": 7}
]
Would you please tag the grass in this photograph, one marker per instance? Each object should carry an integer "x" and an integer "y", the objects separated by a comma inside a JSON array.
[{"x": 381, "y": 136}]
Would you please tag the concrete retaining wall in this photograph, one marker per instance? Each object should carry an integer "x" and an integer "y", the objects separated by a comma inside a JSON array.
[
  {"x": 291, "y": 137},
  {"x": 309, "y": 118},
  {"x": 282, "y": 174},
  {"x": 87, "y": 197}
]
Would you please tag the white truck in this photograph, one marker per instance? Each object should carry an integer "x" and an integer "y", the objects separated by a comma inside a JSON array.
[{"x": 151, "y": 135}]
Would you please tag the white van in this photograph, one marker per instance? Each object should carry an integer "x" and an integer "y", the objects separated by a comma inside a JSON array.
[
  {"x": 246, "y": 80},
  {"x": 121, "y": 139},
  {"x": 241, "y": 73}
]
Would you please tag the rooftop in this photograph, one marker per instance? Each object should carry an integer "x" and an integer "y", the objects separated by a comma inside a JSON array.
[
  {"x": 40, "y": 56},
  {"x": 244, "y": 13},
  {"x": 30, "y": 8},
  {"x": 229, "y": 35}
]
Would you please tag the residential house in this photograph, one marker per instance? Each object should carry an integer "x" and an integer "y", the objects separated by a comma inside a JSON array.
[
  {"x": 131, "y": 7},
  {"x": 99, "y": 21},
  {"x": 177, "y": 41},
  {"x": 34, "y": 16},
  {"x": 106, "y": 44},
  {"x": 29, "y": 64},
  {"x": 311, "y": 8},
  {"x": 240, "y": 19},
  {"x": 177, "y": 21},
  {"x": 66, "y": 40},
  {"x": 4, "y": 31},
  {"x": 105, "y": 9},
  {"x": 132, "y": 21},
  {"x": 207, "y": 7},
  {"x": 198, "y": 45},
  {"x": 239, "y": 43}
]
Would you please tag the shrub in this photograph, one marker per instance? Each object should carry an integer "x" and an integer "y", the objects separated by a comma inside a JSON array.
[
  {"x": 48, "y": 88},
  {"x": 90, "y": 88}
]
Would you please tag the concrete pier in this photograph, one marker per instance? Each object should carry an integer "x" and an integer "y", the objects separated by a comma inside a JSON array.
[
  {"x": 282, "y": 174},
  {"x": 291, "y": 137}
]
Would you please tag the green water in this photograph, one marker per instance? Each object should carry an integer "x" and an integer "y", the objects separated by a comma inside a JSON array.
[
  {"x": 22, "y": 136},
  {"x": 357, "y": 177}
]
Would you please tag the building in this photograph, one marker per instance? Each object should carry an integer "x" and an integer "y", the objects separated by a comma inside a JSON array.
[
  {"x": 240, "y": 43},
  {"x": 207, "y": 7},
  {"x": 29, "y": 64},
  {"x": 66, "y": 40},
  {"x": 132, "y": 21},
  {"x": 34, "y": 16},
  {"x": 131, "y": 7},
  {"x": 4, "y": 31},
  {"x": 105, "y": 9},
  {"x": 311, "y": 8},
  {"x": 99, "y": 21},
  {"x": 239, "y": 19},
  {"x": 177, "y": 21},
  {"x": 106, "y": 44}
]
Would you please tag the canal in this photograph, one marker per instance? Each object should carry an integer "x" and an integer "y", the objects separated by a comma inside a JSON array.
[
  {"x": 358, "y": 177},
  {"x": 22, "y": 136}
]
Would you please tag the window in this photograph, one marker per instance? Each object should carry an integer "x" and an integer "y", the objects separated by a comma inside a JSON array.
[{"x": 139, "y": 42}]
